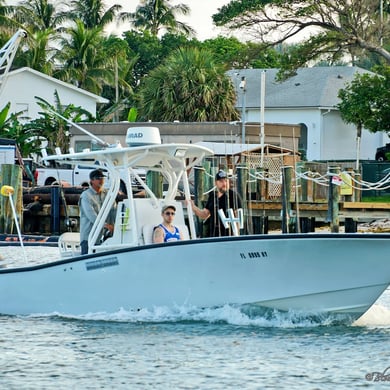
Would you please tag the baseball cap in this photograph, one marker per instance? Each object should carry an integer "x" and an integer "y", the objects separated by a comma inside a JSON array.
[
  {"x": 168, "y": 206},
  {"x": 220, "y": 175},
  {"x": 97, "y": 174}
]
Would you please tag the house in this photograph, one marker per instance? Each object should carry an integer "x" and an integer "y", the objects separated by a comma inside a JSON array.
[
  {"x": 309, "y": 99},
  {"x": 22, "y": 85}
]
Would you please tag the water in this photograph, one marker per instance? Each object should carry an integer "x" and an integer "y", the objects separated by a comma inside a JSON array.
[{"x": 190, "y": 348}]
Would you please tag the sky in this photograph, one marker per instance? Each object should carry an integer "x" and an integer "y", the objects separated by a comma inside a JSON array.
[{"x": 200, "y": 19}]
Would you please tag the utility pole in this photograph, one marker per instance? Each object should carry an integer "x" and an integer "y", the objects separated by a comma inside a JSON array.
[
  {"x": 381, "y": 21},
  {"x": 242, "y": 86},
  {"x": 262, "y": 105}
]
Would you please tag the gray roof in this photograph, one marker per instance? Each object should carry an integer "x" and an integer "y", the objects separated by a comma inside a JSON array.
[{"x": 311, "y": 87}]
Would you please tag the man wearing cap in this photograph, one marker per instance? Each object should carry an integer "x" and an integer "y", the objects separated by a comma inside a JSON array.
[
  {"x": 166, "y": 231},
  {"x": 90, "y": 203},
  {"x": 222, "y": 198}
]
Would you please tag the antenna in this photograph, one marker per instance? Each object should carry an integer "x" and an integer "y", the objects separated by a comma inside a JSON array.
[{"x": 97, "y": 139}]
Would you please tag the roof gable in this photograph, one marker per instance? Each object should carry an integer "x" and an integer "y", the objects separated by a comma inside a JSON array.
[
  {"x": 310, "y": 87},
  {"x": 96, "y": 98}
]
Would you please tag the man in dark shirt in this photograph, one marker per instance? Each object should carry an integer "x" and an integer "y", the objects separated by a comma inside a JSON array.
[{"x": 222, "y": 198}]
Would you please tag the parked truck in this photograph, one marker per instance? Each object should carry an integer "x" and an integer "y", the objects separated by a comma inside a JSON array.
[
  {"x": 383, "y": 153},
  {"x": 77, "y": 176}
]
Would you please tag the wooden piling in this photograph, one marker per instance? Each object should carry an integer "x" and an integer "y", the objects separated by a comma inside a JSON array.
[
  {"x": 11, "y": 175},
  {"x": 154, "y": 180},
  {"x": 333, "y": 200},
  {"x": 286, "y": 198}
]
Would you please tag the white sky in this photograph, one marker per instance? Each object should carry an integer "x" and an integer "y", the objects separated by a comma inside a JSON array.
[{"x": 200, "y": 19}]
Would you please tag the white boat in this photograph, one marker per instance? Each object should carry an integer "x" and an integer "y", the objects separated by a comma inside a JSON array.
[{"x": 309, "y": 273}]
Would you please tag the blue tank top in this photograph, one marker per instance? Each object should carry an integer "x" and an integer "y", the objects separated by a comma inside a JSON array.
[{"x": 169, "y": 236}]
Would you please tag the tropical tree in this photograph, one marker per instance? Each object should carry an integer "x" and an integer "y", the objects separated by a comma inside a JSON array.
[
  {"x": 7, "y": 23},
  {"x": 93, "y": 13},
  {"x": 121, "y": 91},
  {"x": 159, "y": 15},
  {"x": 43, "y": 22},
  {"x": 235, "y": 54},
  {"x": 38, "y": 52},
  {"x": 39, "y": 15},
  {"x": 84, "y": 60},
  {"x": 325, "y": 29},
  {"x": 188, "y": 86},
  {"x": 52, "y": 123},
  {"x": 365, "y": 103},
  {"x": 151, "y": 50},
  {"x": 12, "y": 128}
]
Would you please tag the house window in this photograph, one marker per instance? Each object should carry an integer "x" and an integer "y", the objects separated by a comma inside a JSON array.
[{"x": 302, "y": 146}]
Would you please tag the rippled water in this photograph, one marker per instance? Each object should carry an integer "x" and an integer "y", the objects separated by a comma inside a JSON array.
[{"x": 190, "y": 348}]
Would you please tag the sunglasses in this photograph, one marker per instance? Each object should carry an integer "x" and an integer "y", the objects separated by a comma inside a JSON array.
[{"x": 169, "y": 213}]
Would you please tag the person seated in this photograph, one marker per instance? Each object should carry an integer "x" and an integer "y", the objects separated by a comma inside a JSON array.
[{"x": 166, "y": 231}]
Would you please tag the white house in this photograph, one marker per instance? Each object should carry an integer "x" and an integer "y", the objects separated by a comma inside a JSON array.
[
  {"x": 310, "y": 99},
  {"x": 22, "y": 85}
]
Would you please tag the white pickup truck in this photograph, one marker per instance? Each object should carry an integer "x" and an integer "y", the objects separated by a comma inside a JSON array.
[{"x": 77, "y": 176}]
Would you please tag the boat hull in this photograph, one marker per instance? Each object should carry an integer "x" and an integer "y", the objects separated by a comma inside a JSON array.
[{"x": 313, "y": 273}]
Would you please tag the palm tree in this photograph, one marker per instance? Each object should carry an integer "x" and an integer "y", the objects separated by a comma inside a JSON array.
[
  {"x": 38, "y": 15},
  {"x": 85, "y": 62},
  {"x": 43, "y": 23},
  {"x": 54, "y": 128},
  {"x": 157, "y": 15},
  {"x": 122, "y": 64},
  {"x": 38, "y": 53},
  {"x": 92, "y": 12},
  {"x": 8, "y": 25},
  {"x": 188, "y": 86}
]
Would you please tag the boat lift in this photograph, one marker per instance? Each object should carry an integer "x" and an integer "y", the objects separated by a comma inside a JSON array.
[{"x": 7, "y": 54}]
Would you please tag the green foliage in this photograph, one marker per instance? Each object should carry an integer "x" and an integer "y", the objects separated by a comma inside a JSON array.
[
  {"x": 132, "y": 115},
  {"x": 93, "y": 13},
  {"x": 365, "y": 101},
  {"x": 236, "y": 8},
  {"x": 188, "y": 86},
  {"x": 326, "y": 30},
  {"x": 12, "y": 128},
  {"x": 235, "y": 54},
  {"x": 151, "y": 51},
  {"x": 54, "y": 127},
  {"x": 155, "y": 16},
  {"x": 39, "y": 55},
  {"x": 84, "y": 58}
]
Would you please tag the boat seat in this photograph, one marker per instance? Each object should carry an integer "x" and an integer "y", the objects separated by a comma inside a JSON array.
[
  {"x": 147, "y": 232},
  {"x": 69, "y": 244}
]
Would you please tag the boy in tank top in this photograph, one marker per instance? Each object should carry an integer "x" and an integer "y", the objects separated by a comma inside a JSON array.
[{"x": 167, "y": 231}]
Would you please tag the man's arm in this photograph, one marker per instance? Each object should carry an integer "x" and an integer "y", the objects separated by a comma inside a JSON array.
[
  {"x": 203, "y": 214},
  {"x": 158, "y": 235}
]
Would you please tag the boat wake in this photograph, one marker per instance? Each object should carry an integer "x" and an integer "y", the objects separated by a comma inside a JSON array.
[
  {"x": 228, "y": 314},
  {"x": 377, "y": 316}
]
